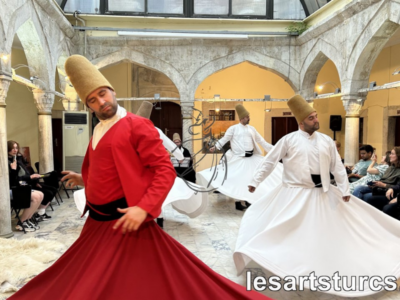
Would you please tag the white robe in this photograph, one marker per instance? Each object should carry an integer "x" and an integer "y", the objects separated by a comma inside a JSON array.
[
  {"x": 296, "y": 229},
  {"x": 240, "y": 169}
]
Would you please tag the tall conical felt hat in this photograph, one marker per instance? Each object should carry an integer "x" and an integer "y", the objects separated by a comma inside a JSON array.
[
  {"x": 242, "y": 112},
  {"x": 84, "y": 76},
  {"x": 176, "y": 136},
  {"x": 145, "y": 109},
  {"x": 300, "y": 108}
]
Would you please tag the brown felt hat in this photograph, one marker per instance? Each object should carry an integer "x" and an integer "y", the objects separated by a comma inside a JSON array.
[
  {"x": 241, "y": 111},
  {"x": 300, "y": 108},
  {"x": 84, "y": 76},
  {"x": 176, "y": 136},
  {"x": 145, "y": 109}
]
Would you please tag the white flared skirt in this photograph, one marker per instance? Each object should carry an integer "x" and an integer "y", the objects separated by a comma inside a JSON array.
[
  {"x": 297, "y": 231},
  {"x": 239, "y": 174}
]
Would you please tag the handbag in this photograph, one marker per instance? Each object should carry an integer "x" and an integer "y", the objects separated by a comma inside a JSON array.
[{"x": 378, "y": 191}]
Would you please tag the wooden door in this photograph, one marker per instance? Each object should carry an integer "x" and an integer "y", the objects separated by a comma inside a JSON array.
[
  {"x": 57, "y": 144},
  {"x": 397, "y": 133},
  {"x": 168, "y": 118},
  {"x": 281, "y": 126}
]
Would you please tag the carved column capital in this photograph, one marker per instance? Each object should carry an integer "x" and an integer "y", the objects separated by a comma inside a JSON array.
[
  {"x": 353, "y": 104},
  {"x": 44, "y": 101},
  {"x": 187, "y": 109},
  {"x": 4, "y": 86}
]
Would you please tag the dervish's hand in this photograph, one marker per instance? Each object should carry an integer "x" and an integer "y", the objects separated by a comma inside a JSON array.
[
  {"x": 133, "y": 218},
  {"x": 389, "y": 194},
  {"x": 346, "y": 198},
  {"x": 73, "y": 179},
  {"x": 212, "y": 149},
  {"x": 251, "y": 189}
]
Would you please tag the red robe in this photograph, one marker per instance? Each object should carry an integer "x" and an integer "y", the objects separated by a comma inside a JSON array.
[{"x": 129, "y": 161}]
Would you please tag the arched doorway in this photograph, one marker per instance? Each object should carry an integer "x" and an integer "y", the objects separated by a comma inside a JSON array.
[{"x": 168, "y": 117}]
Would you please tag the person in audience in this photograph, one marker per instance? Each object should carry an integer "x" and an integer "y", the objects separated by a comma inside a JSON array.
[
  {"x": 392, "y": 208},
  {"x": 32, "y": 180},
  {"x": 360, "y": 168},
  {"x": 338, "y": 145},
  {"x": 374, "y": 173},
  {"x": 14, "y": 169},
  {"x": 378, "y": 189}
]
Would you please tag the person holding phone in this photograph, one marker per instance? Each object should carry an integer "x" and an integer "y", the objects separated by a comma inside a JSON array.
[
  {"x": 14, "y": 172},
  {"x": 374, "y": 173}
]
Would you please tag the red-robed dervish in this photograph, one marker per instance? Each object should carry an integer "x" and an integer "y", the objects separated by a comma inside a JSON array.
[{"x": 127, "y": 175}]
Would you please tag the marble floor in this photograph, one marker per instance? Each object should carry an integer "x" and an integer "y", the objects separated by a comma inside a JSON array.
[{"x": 211, "y": 237}]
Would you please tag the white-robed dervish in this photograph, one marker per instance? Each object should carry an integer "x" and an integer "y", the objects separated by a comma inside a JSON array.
[
  {"x": 306, "y": 225},
  {"x": 243, "y": 158},
  {"x": 185, "y": 200}
]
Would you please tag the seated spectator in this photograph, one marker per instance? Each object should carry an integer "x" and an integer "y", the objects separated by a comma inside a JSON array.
[
  {"x": 392, "y": 208},
  {"x": 31, "y": 179},
  {"x": 360, "y": 168},
  {"x": 36, "y": 197},
  {"x": 377, "y": 195},
  {"x": 374, "y": 173}
]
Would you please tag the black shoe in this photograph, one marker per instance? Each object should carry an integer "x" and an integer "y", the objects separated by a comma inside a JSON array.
[
  {"x": 247, "y": 204},
  {"x": 45, "y": 217},
  {"x": 240, "y": 206},
  {"x": 160, "y": 222}
]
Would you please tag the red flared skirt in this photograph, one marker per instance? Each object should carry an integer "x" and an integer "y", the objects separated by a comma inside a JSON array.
[{"x": 146, "y": 264}]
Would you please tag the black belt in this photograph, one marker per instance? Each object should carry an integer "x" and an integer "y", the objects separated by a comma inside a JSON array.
[
  {"x": 317, "y": 180},
  {"x": 106, "y": 212},
  {"x": 248, "y": 153}
]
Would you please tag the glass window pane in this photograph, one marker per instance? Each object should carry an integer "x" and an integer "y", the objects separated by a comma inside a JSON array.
[
  {"x": 288, "y": 10},
  {"x": 211, "y": 7},
  {"x": 314, "y": 5},
  {"x": 249, "y": 7},
  {"x": 59, "y": 2},
  {"x": 126, "y": 5},
  {"x": 86, "y": 7},
  {"x": 165, "y": 6}
]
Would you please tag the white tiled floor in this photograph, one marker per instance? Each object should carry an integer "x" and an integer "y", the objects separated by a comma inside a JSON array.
[{"x": 211, "y": 237}]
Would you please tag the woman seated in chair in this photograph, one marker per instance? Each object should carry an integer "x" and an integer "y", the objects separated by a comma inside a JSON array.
[
  {"x": 14, "y": 171},
  {"x": 32, "y": 180}
]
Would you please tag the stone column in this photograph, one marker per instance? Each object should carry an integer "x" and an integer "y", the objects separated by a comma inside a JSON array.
[
  {"x": 44, "y": 103},
  {"x": 187, "y": 111},
  {"x": 352, "y": 104},
  {"x": 5, "y": 210}
]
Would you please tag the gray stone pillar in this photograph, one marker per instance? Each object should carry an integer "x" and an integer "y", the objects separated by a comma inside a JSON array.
[
  {"x": 5, "y": 210},
  {"x": 44, "y": 103},
  {"x": 352, "y": 104},
  {"x": 187, "y": 111}
]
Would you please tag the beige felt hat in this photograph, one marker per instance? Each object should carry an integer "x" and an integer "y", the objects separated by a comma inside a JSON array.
[
  {"x": 145, "y": 109},
  {"x": 242, "y": 112},
  {"x": 300, "y": 108},
  {"x": 176, "y": 136},
  {"x": 84, "y": 76}
]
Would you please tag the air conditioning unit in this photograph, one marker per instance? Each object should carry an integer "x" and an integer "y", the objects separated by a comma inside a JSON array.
[{"x": 75, "y": 139}]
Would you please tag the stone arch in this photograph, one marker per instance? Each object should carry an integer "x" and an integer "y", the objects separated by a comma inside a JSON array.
[
  {"x": 147, "y": 61},
  {"x": 273, "y": 65},
  {"x": 320, "y": 53},
  {"x": 366, "y": 49}
]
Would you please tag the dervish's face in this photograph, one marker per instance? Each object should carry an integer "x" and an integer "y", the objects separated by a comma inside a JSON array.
[
  {"x": 311, "y": 123},
  {"x": 103, "y": 103},
  {"x": 178, "y": 143},
  {"x": 245, "y": 120}
]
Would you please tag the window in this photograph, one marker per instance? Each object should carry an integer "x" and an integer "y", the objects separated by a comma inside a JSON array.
[
  {"x": 211, "y": 7},
  {"x": 174, "y": 7},
  {"x": 85, "y": 7},
  {"x": 222, "y": 115},
  {"x": 249, "y": 7},
  {"x": 288, "y": 10}
]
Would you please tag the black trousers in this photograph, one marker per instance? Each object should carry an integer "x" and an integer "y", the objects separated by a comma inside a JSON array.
[{"x": 48, "y": 191}]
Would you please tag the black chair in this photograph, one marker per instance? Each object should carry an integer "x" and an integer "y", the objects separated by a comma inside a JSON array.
[
  {"x": 51, "y": 179},
  {"x": 21, "y": 199}
]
